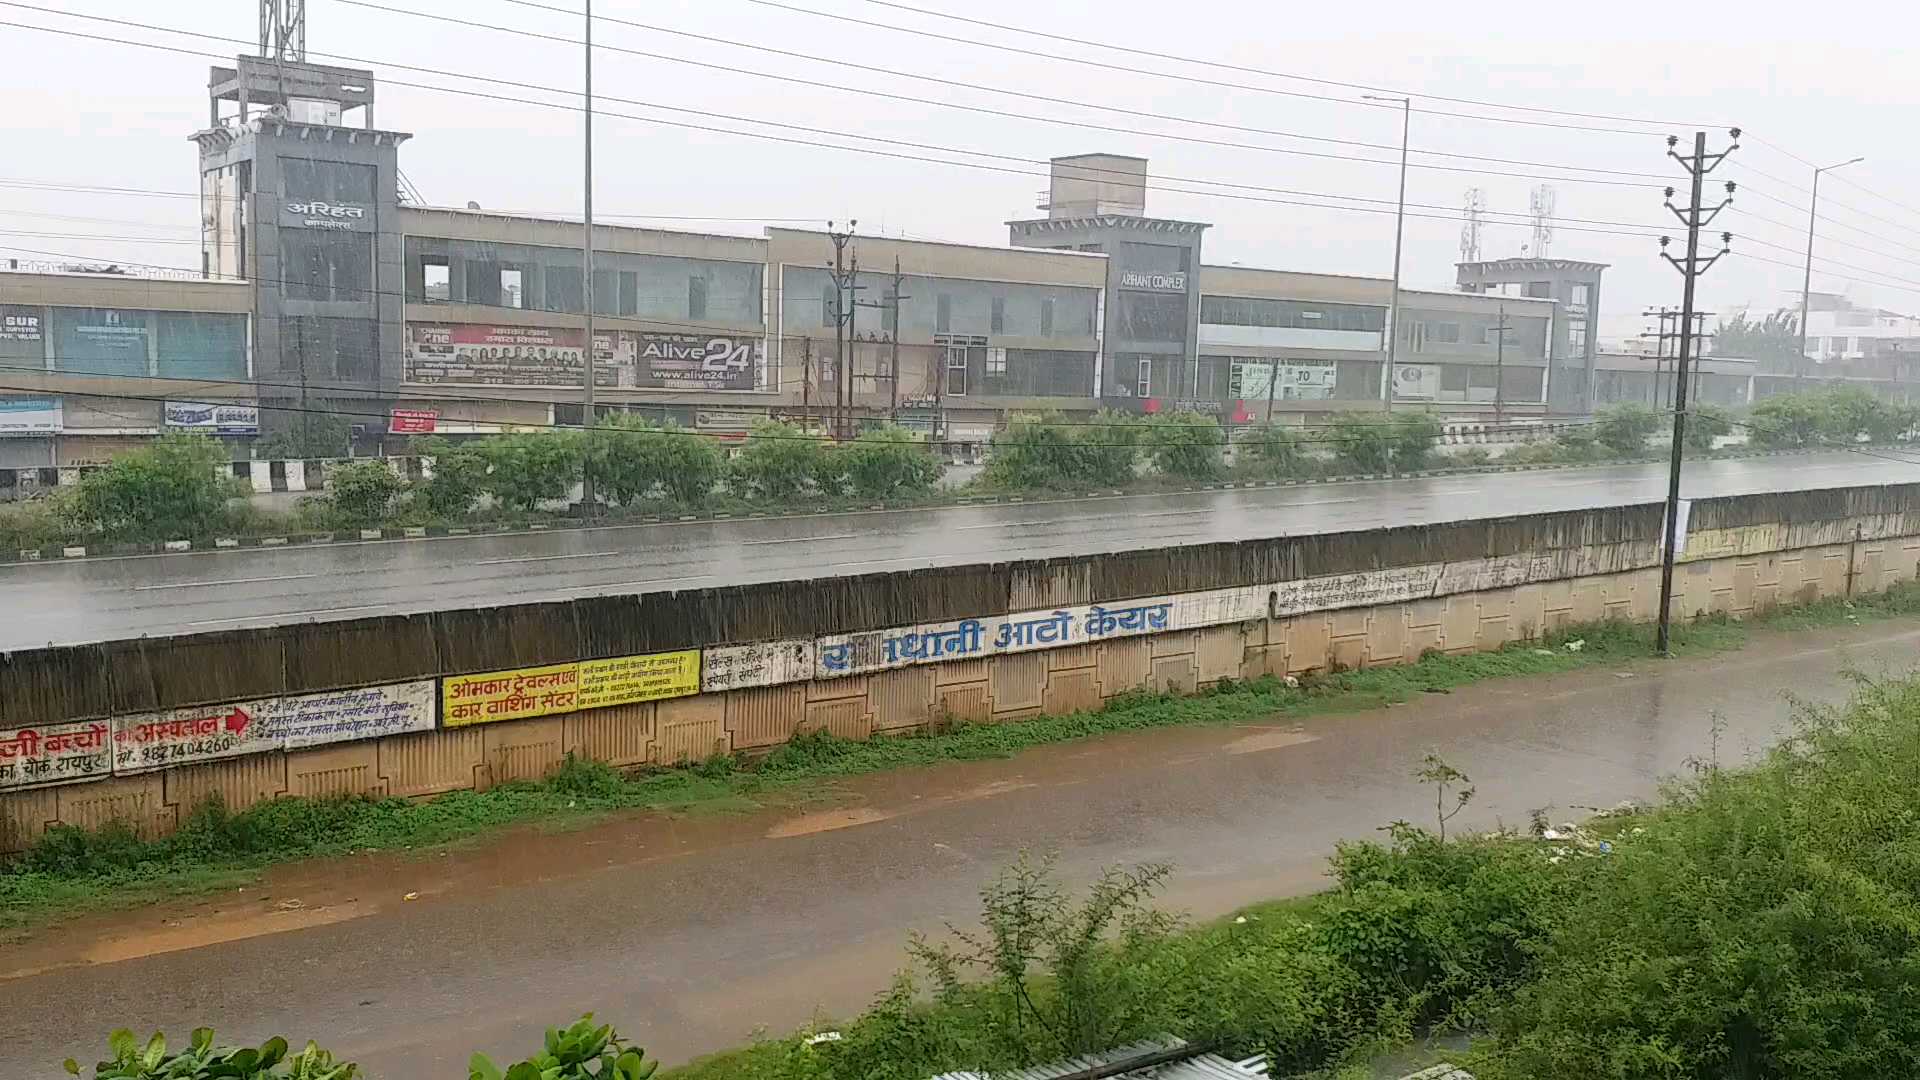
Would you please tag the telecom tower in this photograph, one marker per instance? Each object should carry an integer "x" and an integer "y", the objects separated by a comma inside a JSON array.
[
  {"x": 1540, "y": 204},
  {"x": 1471, "y": 207},
  {"x": 283, "y": 30}
]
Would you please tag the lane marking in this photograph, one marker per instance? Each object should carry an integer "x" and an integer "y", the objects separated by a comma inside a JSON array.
[
  {"x": 629, "y": 584},
  {"x": 290, "y": 614},
  {"x": 545, "y": 558},
  {"x": 801, "y": 539},
  {"x": 229, "y": 581}
]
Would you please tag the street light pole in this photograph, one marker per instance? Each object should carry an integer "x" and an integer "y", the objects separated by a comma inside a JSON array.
[
  {"x": 1806, "y": 280},
  {"x": 588, "y": 410},
  {"x": 1399, "y": 232}
]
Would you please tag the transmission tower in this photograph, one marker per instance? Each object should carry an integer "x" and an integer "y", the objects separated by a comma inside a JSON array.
[
  {"x": 1540, "y": 203},
  {"x": 283, "y": 30},
  {"x": 1471, "y": 207}
]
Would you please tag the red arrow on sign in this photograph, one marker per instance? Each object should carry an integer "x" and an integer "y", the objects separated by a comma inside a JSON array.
[{"x": 237, "y": 720}]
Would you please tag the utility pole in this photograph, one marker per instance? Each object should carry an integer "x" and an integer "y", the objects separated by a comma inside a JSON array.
[
  {"x": 589, "y": 413},
  {"x": 806, "y": 378},
  {"x": 1694, "y": 216},
  {"x": 891, "y": 304},
  {"x": 1500, "y": 367},
  {"x": 1399, "y": 233},
  {"x": 1669, "y": 333},
  {"x": 842, "y": 318},
  {"x": 1806, "y": 280}
]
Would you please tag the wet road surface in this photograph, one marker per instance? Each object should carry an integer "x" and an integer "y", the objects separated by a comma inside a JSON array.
[
  {"x": 105, "y": 599},
  {"x": 690, "y": 932}
]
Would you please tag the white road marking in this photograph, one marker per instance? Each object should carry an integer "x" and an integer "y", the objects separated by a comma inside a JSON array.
[
  {"x": 545, "y": 558},
  {"x": 229, "y": 581},
  {"x": 290, "y": 614},
  {"x": 630, "y": 584},
  {"x": 801, "y": 539}
]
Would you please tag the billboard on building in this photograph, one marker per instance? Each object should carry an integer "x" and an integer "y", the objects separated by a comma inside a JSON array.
[
  {"x": 471, "y": 354},
  {"x": 213, "y": 419},
  {"x": 30, "y": 416},
  {"x": 413, "y": 422},
  {"x": 22, "y": 332},
  {"x": 1418, "y": 382},
  {"x": 1284, "y": 380}
]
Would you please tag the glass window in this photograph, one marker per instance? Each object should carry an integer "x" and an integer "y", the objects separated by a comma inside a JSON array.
[
  {"x": 328, "y": 181},
  {"x": 696, "y": 298},
  {"x": 996, "y": 362},
  {"x": 943, "y": 313},
  {"x": 512, "y": 291},
  {"x": 957, "y": 371},
  {"x": 563, "y": 289},
  {"x": 1290, "y": 314},
  {"x": 200, "y": 345},
  {"x": 1039, "y": 373},
  {"x": 98, "y": 341},
  {"x": 1046, "y": 317},
  {"x": 1581, "y": 293},
  {"x": 317, "y": 264},
  {"x": 1153, "y": 316},
  {"x": 315, "y": 347},
  {"x": 1444, "y": 332},
  {"x": 1540, "y": 289},
  {"x": 1143, "y": 382},
  {"x": 437, "y": 280},
  {"x": 1153, "y": 258},
  {"x": 629, "y": 292},
  {"x": 998, "y": 320},
  {"x": 829, "y": 306}
]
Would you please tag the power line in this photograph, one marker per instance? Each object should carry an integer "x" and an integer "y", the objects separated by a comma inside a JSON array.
[
  {"x": 1169, "y": 75},
  {"x": 768, "y": 123},
  {"x": 1842, "y": 243},
  {"x": 1226, "y": 66},
  {"x": 923, "y": 77}
]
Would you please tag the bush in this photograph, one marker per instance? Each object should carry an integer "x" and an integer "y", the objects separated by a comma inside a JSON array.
[
  {"x": 40, "y": 522},
  {"x": 133, "y": 1060},
  {"x": 580, "y": 1052},
  {"x": 361, "y": 493},
  {"x": 1272, "y": 450},
  {"x": 1623, "y": 429},
  {"x": 779, "y": 461},
  {"x": 1790, "y": 421},
  {"x": 1706, "y": 423},
  {"x": 1853, "y": 413},
  {"x": 524, "y": 470},
  {"x": 1045, "y": 452},
  {"x": 634, "y": 460},
  {"x": 1413, "y": 435},
  {"x": 1577, "y": 443},
  {"x": 1362, "y": 442},
  {"x": 459, "y": 477},
  {"x": 177, "y": 487},
  {"x": 1185, "y": 445},
  {"x": 1473, "y": 457},
  {"x": 889, "y": 461}
]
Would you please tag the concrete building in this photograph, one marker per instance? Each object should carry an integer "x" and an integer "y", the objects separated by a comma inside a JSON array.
[{"x": 1576, "y": 286}]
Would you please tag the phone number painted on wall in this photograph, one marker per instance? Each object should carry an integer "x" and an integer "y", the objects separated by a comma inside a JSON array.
[{"x": 555, "y": 689}]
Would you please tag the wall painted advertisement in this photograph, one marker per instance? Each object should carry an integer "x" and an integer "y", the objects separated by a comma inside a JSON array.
[
  {"x": 213, "y": 419},
  {"x": 554, "y": 689},
  {"x": 55, "y": 754},
  {"x": 146, "y": 741},
  {"x": 30, "y": 416},
  {"x": 481, "y": 355}
]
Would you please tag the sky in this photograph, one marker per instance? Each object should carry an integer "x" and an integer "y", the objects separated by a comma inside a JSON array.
[{"x": 684, "y": 129}]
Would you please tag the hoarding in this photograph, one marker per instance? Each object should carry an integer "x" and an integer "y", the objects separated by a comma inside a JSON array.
[
  {"x": 486, "y": 355},
  {"x": 1420, "y": 382},
  {"x": 47, "y": 754},
  {"x": 30, "y": 416},
  {"x": 413, "y": 422},
  {"x": 555, "y": 689},
  {"x": 214, "y": 419}
]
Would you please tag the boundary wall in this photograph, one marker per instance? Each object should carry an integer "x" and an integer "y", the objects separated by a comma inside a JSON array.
[{"x": 144, "y": 730}]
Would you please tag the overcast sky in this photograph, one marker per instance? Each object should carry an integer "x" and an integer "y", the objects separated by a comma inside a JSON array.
[{"x": 1824, "y": 83}]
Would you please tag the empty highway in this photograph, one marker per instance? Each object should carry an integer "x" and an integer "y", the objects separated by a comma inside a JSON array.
[{"x": 106, "y": 599}]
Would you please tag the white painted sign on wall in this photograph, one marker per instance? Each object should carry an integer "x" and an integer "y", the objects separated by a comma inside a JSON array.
[
  {"x": 767, "y": 663},
  {"x": 146, "y": 741}
]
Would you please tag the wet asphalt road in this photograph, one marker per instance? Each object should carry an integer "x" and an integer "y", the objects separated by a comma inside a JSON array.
[
  {"x": 691, "y": 932},
  {"x": 95, "y": 600}
]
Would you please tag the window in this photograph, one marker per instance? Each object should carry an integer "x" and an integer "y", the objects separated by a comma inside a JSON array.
[
  {"x": 320, "y": 265},
  {"x": 1153, "y": 316},
  {"x": 564, "y": 289},
  {"x": 1540, "y": 289},
  {"x": 943, "y": 313},
  {"x": 437, "y": 280},
  {"x": 317, "y": 348},
  {"x": 1290, "y": 314},
  {"x": 829, "y": 306},
  {"x": 305, "y": 179},
  {"x": 696, "y": 298},
  {"x": 1143, "y": 383},
  {"x": 1483, "y": 377},
  {"x": 1154, "y": 258},
  {"x": 956, "y": 369},
  {"x": 998, "y": 321},
  {"x": 629, "y": 293},
  {"x": 1046, "y": 317},
  {"x": 1581, "y": 293},
  {"x": 1090, "y": 247},
  {"x": 512, "y": 291},
  {"x": 996, "y": 362},
  {"x": 1444, "y": 332}
]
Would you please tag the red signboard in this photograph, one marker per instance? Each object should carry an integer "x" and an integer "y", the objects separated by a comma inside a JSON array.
[{"x": 414, "y": 421}]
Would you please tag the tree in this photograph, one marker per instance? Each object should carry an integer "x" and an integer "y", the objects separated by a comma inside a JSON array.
[
  {"x": 458, "y": 477},
  {"x": 1772, "y": 342},
  {"x": 1790, "y": 421},
  {"x": 177, "y": 487},
  {"x": 1624, "y": 428},
  {"x": 1705, "y": 423},
  {"x": 362, "y": 492},
  {"x": 1413, "y": 436},
  {"x": 526, "y": 469},
  {"x": 1363, "y": 442},
  {"x": 1186, "y": 445},
  {"x": 779, "y": 461},
  {"x": 633, "y": 460},
  {"x": 1046, "y": 452},
  {"x": 1272, "y": 450}
]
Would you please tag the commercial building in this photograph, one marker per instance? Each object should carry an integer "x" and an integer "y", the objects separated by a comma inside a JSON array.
[
  {"x": 1575, "y": 285},
  {"x": 326, "y": 293}
]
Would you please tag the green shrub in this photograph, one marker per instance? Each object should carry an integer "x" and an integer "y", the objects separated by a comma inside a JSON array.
[
  {"x": 1576, "y": 443},
  {"x": 1186, "y": 445},
  {"x": 779, "y": 461},
  {"x": 361, "y": 493},
  {"x": 1624, "y": 429},
  {"x": 1362, "y": 442},
  {"x": 524, "y": 470},
  {"x": 1473, "y": 457},
  {"x": 200, "y": 1058},
  {"x": 1107, "y": 449},
  {"x": 634, "y": 460},
  {"x": 1790, "y": 421},
  {"x": 1414, "y": 435},
  {"x": 580, "y": 1052},
  {"x": 1705, "y": 423},
  {"x": 1272, "y": 450},
  {"x": 40, "y": 522},
  {"x": 176, "y": 487},
  {"x": 889, "y": 461},
  {"x": 1048, "y": 453},
  {"x": 458, "y": 477},
  {"x": 1854, "y": 413}
]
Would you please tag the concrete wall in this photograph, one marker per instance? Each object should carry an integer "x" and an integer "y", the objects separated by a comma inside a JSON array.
[{"x": 1743, "y": 554}]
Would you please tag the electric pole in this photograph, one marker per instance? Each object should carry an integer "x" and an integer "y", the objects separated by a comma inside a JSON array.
[
  {"x": 1500, "y": 367},
  {"x": 842, "y": 312},
  {"x": 891, "y": 304},
  {"x": 1669, "y": 333},
  {"x": 1399, "y": 234},
  {"x": 589, "y": 412},
  {"x": 1694, "y": 216}
]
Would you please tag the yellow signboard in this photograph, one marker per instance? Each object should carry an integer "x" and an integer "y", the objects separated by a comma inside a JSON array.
[
  {"x": 563, "y": 688},
  {"x": 623, "y": 680}
]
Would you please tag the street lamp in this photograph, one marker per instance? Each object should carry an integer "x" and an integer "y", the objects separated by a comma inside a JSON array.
[
  {"x": 1806, "y": 282},
  {"x": 1399, "y": 229}
]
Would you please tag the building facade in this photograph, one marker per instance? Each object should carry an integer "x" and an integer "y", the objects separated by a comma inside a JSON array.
[{"x": 1574, "y": 347}]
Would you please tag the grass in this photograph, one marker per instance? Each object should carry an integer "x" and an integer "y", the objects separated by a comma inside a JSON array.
[{"x": 72, "y": 870}]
